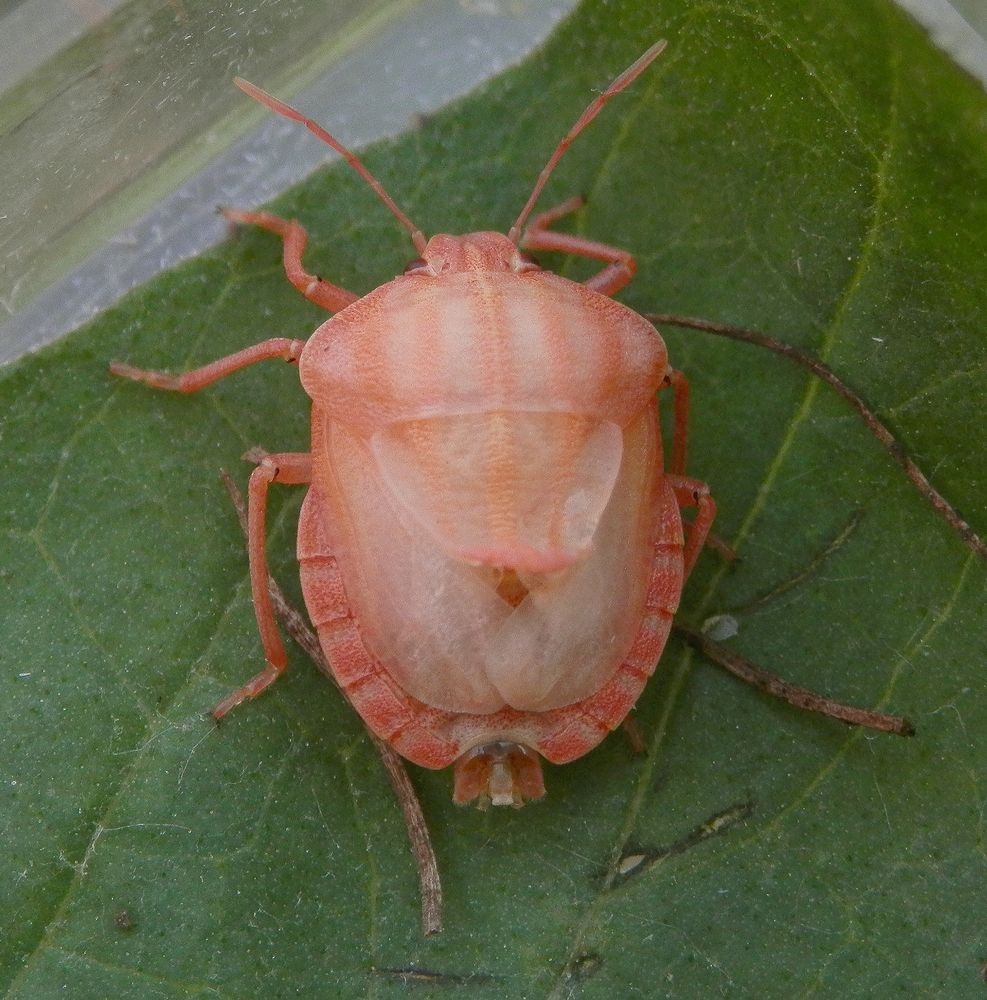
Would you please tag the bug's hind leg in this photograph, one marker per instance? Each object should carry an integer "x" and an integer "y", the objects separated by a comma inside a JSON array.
[
  {"x": 287, "y": 467},
  {"x": 315, "y": 289},
  {"x": 621, "y": 266},
  {"x": 693, "y": 493}
]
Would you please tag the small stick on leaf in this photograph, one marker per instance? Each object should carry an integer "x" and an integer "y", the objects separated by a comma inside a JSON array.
[
  {"x": 634, "y": 735},
  {"x": 880, "y": 430},
  {"x": 800, "y": 697},
  {"x": 421, "y": 844}
]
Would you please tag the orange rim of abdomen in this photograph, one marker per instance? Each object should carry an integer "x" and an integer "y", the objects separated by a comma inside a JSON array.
[{"x": 435, "y": 738}]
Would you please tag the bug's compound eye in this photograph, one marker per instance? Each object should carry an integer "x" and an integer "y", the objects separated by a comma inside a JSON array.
[
  {"x": 524, "y": 262},
  {"x": 418, "y": 266}
]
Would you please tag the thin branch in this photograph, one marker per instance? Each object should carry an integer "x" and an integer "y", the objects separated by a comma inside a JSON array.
[
  {"x": 806, "y": 571},
  {"x": 880, "y": 430},
  {"x": 800, "y": 697},
  {"x": 298, "y": 628}
]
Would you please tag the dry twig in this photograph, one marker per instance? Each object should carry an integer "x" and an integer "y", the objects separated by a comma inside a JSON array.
[
  {"x": 800, "y": 697},
  {"x": 880, "y": 430},
  {"x": 298, "y": 628}
]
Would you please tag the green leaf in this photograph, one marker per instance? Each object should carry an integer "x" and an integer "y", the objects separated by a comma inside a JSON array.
[{"x": 817, "y": 172}]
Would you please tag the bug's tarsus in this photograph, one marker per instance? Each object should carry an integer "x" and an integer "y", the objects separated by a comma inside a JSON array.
[
  {"x": 258, "y": 683},
  {"x": 279, "y": 107},
  {"x": 592, "y": 110}
]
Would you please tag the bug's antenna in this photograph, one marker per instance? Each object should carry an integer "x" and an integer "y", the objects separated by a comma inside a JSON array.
[
  {"x": 279, "y": 107},
  {"x": 595, "y": 107}
]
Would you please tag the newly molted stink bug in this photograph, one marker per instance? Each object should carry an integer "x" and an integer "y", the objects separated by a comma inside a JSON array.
[{"x": 491, "y": 548}]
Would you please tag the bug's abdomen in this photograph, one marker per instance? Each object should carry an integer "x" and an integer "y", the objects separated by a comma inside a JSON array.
[
  {"x": 433, "y": 737},
  {"x": 475, "y": 635}
]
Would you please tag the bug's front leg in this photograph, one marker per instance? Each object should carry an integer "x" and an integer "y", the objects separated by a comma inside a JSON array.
[
  {"x": 621, "y": 266},
  {"x": 291, "y": 468},
  {"x": 315, "y": 289}
]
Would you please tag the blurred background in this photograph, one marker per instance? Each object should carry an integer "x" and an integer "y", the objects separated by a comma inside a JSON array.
[{"x": 120, "y": 131}]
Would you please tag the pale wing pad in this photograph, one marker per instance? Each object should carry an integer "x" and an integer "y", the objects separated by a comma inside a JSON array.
[{"x": 522, "y": 490}]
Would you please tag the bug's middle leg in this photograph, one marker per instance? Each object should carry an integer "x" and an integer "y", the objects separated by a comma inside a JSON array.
[
  {"x": 680, "y": 433},
  {"x": 621, "y": 266},
  {"x": 694, "y": 493},
  {"x": 286, "y": 467}
]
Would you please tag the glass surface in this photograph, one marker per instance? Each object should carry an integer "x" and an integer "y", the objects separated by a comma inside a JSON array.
[{"x": 120, "y": 130}]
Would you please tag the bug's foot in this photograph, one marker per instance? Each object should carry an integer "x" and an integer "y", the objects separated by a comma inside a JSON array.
[
  {"x": 501, "y": 774},
  {"x": 156, "y": 380},
  {"x": 251, "y": 689},
  {"x": 255, "y": 455}
]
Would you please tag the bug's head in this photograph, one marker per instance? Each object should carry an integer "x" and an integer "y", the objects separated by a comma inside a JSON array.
[{"x": 473, "y": 252}]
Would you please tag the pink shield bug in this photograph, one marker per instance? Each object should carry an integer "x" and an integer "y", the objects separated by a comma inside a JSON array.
[{"x": 491, "y": 548}]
